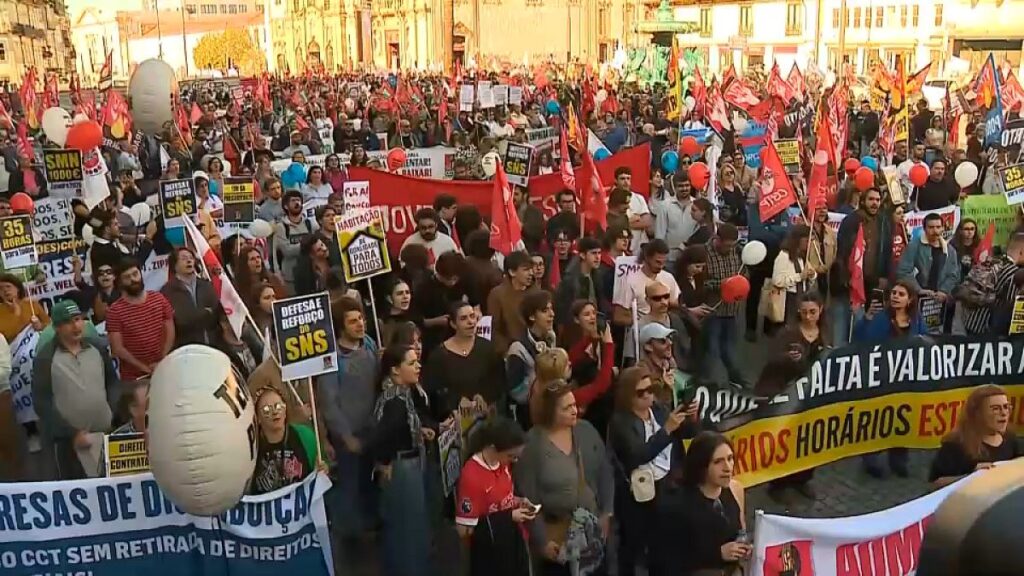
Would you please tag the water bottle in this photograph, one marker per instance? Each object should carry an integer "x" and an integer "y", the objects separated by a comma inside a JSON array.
[{"x": 743, "y": 537}]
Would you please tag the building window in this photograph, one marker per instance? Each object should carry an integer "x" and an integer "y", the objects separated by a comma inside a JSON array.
[
  {"x": 879, "y": 17},
  {"x": 190, "y": 8},
  {"x": 903, "y": 16},
  {"x": 3, "y": 52},
  {"x": 327, "y": 6},
  {"x": 755, "y": 61},
  {"x": 935, "y": 56},
  {"x": 602, "y": 22},
  {"x": 917, "y": 15},
  {"x": 856, "y": 17},
  {"x": 746, "y": 21},
  {"x": 297, "y": 4},
  {"x": 794, "y": 19},
  {"x": 705, "y": 22},
  {"x": 835, "y": 17},
  {"x": 938, "y": 15},
  {"x": 232, "y": 9},
  {"x": 725, "y": 59},
  {"x": 259, "y": 8},
  {"x": 224, "y": 8}
]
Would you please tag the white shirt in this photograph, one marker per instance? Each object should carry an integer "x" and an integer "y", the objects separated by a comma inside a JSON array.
[
  {"x": 636, "y": 289},
  {"x": 439, "y": 245},
  {"x": 637, "y": 207},
  {"x": 321, "y": 192},
  {"x": 663, "y": 461},
  {"x": 211, "y": 204}
]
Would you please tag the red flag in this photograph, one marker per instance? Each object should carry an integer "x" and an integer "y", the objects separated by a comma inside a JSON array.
[
  {"x": 51, "y": 93},
  {"x": 234, "y": 307},
  {"x": 442, "y": 117},
  {"x": 1012, "y": 93},
  {"x": 29, "y": 101},
  {"x": 196, "y": 115},
  {"x": 116, "y": 115},
  {"x": 107, "y": 72},
  {"x": 24, "y": 146},
  {"x": 555, "y": 273},
  {"x": 506, "y": 232},
  {"x": 856, "y": 265},
  {"x": 838, "y": 119},
  {"x": 984, "y": 250},
  {"x": 300, "y": 123},
  {"x": 823, "y": 155},
  {"x": 565, "y": 164},
  {"x": 5, "y": 116},
  {"x": 777, "y": 191},
  {"x": 728, "y": 76},
  {"x": 717, "y": 113},
  {"x": 916, "y": 82},
  {"x": 698, "y": 91},
  {"x": 778, "y": 87},
  {"x": 740, "y": 95},
  {"x": 796, "y": 82},
  {"x": 593, "y": 197}
]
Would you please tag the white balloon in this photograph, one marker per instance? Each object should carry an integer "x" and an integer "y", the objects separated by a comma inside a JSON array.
[
  {"x": 489, "y": 163},
  {"x": 754, "y": 253},
  {"x": 966, "y": 174},
  {"x": 202, "y": 436},
  {"x": 56, "y": 122},
  {"x": 152, "y": 88},
  {"x": 260, "y": 228},
  {"x": 88, "y": 236},
  {"x": 141, "y": 213},
  {"x": 820, "y": 157},
  {"x": 690, "y": 102},
  {"x": 80, "y": 118},
  {"x": 601, "y": 96}
]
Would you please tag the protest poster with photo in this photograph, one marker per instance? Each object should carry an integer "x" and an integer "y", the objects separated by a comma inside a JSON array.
[
  {"x": 53, "y": 220},
  {"x": 449, "y": 444},
  {"x": 64, "y": 173},
  {"x": 305, "y": 336},
  {"x": 177, "y": 201},
  {"x": 892, "y": 181},
  {"x": 467, "y": 97},
  {"x": 789, "y": 153},
  {"x": 356, "y": 195},
  {"x": 500, "y": 94},
  {"x": 518, "y": 163},
  {"x": 1012, "y": 179},
  {"x": 126, "y": 454},
  {"x": 484, "y": 95},
  {"x": 239, "y": 198},
  {"x": 363, "y": 244},
  {"x": 17, "y": 245},
  {"x": 932, "y": 316}
]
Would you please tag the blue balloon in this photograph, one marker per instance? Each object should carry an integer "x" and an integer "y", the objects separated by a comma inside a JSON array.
[
  {"x": 670, "y": 160},
  {"x": 869, "y": 162},
  {"x": 552, "y": 107},
  {"x": 294, "y": 176},
  {"x": 601, "y": 154}
]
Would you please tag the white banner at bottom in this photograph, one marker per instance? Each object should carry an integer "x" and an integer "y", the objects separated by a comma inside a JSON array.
[{"x": 884, "y": 542}]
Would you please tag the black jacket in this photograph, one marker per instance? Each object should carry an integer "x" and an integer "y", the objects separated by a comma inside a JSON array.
[
  {"x": 572, "y": 287},
  {"x": 195, "y": 319},
  {"x": 631, "y": 450},
  {"x": 839, "y": 274},
  {"x": 497, "y": 547}
]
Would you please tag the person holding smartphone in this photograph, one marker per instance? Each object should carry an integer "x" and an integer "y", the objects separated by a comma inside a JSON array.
[{"x": 645, "y": 438}]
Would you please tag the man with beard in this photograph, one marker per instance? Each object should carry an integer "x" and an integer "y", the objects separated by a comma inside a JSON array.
[
  {"x": 140, "y": 324},
  {"x": 673, "y": 222},
  {"x": 876, "y": 265},
  {"x": 288, "y": 236},
  {"x": 193, "y": 298},
  {"x": 904, "y": 166},
  {"x": 73, "y": 380},
  {"x": 426, "y": 235},
  {"x": 939, "y": 191}
]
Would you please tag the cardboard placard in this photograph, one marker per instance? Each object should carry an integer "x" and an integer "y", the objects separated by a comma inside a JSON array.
[
  {"x": 449, "y": 444},
  {"x": 363, "y": 244},
  {"x": 177, "y": 200},
  {"x": 239, "y": 201},
  {"x": 1017, "y": 317},
  {"x": 500, "y": 94},
  {"x": 126, "y": 454},
  {"x": 518, "y": 163},
  {"x": 932, "y": 316},
  {"x": 304, "y": 333},
  {"x": 356, "y": 195},
  {"x": 484, "y": 95},
  {"x": 1012, "y": 178},
  {"x": 515, "y": 95},
  {"x": 17, "y": 246},
  {"x": 64, "y": 173},
  {"x": 467, "y": 95},
  {"x": 789, "y": 153},
  {"x": 892, "y": 180},
  {"x": 52, "y": 219}
]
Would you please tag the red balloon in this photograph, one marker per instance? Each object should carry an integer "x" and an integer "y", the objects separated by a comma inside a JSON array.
[
  {"x": 919, "y": 174},
  {"x": 688, "y": 145},
  {"x": 22, "y": 203},
  {"x": 851, "y": 165},
  {"x": 84, "y": 136},
  {"x": 698, "y": 174},
  {"x": 735, "y": 288},
  {"x": 863, "y": 178},
  {"x": 396, "y": 158}
]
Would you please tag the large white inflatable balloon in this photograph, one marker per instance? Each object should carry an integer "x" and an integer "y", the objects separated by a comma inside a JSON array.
[
  {"x": 754, "y": 253},
  {"x": 152, "y": 88},
  {"x": 56, "y": 122},
  {"x": 966, "y": 174},
  {"x": 202, "y": 437},
  {"x": 489, "y": 162},
  {"x": 141, "y": 214},
  {"x": 260, "y": 228}
]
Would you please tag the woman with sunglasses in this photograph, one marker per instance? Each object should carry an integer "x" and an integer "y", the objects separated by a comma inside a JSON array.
[
  {"x": 99, "y": 296},
  {"x": 285, "y": 453}
]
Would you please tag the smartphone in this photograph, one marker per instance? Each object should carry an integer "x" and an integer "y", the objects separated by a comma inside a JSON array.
[
  {"x": 536, "y": 509},
  {"x": 602, "y": 322},
  {"x": 877, "y": 295}
]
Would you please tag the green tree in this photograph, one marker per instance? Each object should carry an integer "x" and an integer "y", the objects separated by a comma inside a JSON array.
[{"x": 216, "y": 50}]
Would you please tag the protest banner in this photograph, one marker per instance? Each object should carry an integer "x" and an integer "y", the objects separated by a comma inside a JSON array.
[
  {"x": 625, "y": 266},
  {"x": 515, "y": 95},
  {"x": 449, "y": 444},
  {"x": 239, "y": 201},
  {"x": 789, "y": 153},
  {"x": 992, "y": 208},
  {"x": 437, "y": 162},
  {"x": 500, "y": 94},
  {"x": 126, "y": 527},
  {"x": 356, "y": 195},
  {"x": 52, "y": 219},
  {"x": 1012, "y": 179},
  {"x": 363, "y": 244},
  {"x": 484, "y": 95},
  {"x": 125, "y": 454},
  {"x": 541, "y": 139},
  {"x": 485, "y": 327},
  {"x": 863, "y": 398},
  {"x": 884, "y": 542},
  {"x": 752, "y": 140},
  {"x": 467, "y": 97},
  {"x": 932, "y": 314},
  {"x": 518, "y": 161},
  {"x": 64, "y": 172},
  {"x": 17, "y": 245},
  {"x": 1017, "y": 317},
  {"x": 305, "y": 336},
  {"x": 23, "y": 353},
  {"x": 177, "y": 200}
]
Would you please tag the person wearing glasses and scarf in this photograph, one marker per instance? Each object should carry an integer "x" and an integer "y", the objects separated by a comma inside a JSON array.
[{"x": 286, "y": 453}]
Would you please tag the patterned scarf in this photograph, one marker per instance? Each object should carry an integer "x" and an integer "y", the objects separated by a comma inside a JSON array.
[{"x": 392, "y": 390}]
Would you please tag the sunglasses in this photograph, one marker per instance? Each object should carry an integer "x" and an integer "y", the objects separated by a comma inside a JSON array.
[
  {"x": 660, "y": 297},
  {"x": 641, "y": 392},
  {"x": 106, "y": 272},
  {"x": 274, "y": 408}
]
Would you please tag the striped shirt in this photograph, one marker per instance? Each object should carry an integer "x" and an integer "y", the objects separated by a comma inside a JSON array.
[
  {"x": 142, "y": 329},
  {"x": 719, "y": 268},
  {"x": 978, "y": 320}
]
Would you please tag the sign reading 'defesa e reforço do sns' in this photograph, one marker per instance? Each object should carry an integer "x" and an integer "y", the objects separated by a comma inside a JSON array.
[
  {"x": 177, "y": 201},
  {"x": 305, "y": 336}
]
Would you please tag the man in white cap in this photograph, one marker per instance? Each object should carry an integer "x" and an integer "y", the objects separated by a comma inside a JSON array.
[{"x": 656, "y": 356}]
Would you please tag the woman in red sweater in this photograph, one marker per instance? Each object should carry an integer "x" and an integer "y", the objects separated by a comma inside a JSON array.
[{"x": 591, "y": 361}]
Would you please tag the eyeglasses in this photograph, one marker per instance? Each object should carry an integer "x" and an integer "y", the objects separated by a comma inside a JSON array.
[
  {"x": 269, "y": 409},
  {"x": 106, "y": 272},
  {"x": 659, "y": 297},
  {"x": 641, "y": 392}
]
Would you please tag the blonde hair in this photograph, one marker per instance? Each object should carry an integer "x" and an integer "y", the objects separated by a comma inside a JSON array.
[{"x": 552, "y": 364}]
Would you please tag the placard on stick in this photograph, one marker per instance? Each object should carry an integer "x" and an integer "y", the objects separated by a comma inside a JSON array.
[
  {"x": 305, "y": 336},
  {"x": 239, "y": 200},
  {"x": 17, "y": 246},
  {"x": 64, "y": 173},
  {"x": 177, "y": 200},
  {"x": 518, "y": 161},
  {"x": 789, "y": 153},
  {"x": 363, "y": 244},
  {"x": 126, "y": 454},
  {"x": 1012, "y": 178}
]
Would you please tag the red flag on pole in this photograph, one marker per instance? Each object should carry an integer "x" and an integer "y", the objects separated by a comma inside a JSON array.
[
  {"x": 565, "y": 165},
  {"x": 506, "y": 232},
  {"x": 823, "y": 155},
  {"x": 107, "y": 72},
  {"x": 984, "y": 250},
  {"x": 196, "y": 115},
  {"x": 858, "y": 297},
  {"x": 777, "y": 191}
]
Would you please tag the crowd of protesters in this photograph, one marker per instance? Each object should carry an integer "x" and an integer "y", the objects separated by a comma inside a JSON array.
[{"x": 580, "y": 440}]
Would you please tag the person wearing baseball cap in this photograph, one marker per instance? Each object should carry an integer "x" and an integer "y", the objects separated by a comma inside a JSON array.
[
  {"x": 73, "y": 382},
  {"x": 656, "y": 355}
]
